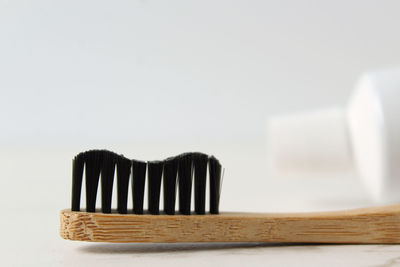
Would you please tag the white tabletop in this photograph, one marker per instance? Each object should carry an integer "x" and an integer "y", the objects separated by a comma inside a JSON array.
[{"x": 37, "y": 187}]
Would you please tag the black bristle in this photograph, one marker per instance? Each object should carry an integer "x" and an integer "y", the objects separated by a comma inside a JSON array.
[
  {"x": 170, "y": 176},
  {"x": 215, "y": 184},
  {"x": 173, "y": 172},
  {"x": 123, "y": 173},
  {"x": 154, "y": 176},
  {"x": 138, "y": 181},
  {"x": 77, "y": 173},
  {"x": 200, "y": 175},
  {"x": 185, "y": 176},
  {"x": 92, "y": 168},
  {"x": 107, "y": 180}
]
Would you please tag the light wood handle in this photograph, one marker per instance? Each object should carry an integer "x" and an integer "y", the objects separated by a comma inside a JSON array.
[{"x": 370, "y": 225}]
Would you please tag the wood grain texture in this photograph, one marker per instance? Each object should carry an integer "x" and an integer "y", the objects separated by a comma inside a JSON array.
[{"x": 370, "y": 225}]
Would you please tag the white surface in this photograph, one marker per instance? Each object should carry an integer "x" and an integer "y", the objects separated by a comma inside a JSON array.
[{"x": 155, "y": 78}]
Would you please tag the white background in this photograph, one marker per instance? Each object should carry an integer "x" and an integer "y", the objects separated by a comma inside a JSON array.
[{"x": 151, "y": 79}]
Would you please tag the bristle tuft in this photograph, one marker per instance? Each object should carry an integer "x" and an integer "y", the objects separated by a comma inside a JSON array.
[
  {"x": 107, "y": 180},
  {"x": 215, "y": 184},
  {"x": 77, "y": 177},
  {"x": 185, "y": 177},
  {"x": 138, "y": 182},
  {"x": 200, "y": 175},
  {"x": 155, "y": 169},
  {"x": 93, "y": 163},
  {"x": 123, "y": 173},
  {"x": 170, "y": 177}
]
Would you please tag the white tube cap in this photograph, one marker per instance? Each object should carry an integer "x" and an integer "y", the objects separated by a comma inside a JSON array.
[
  {"x": 309, "y": 142},
  {"x": 374, "y": 123}
]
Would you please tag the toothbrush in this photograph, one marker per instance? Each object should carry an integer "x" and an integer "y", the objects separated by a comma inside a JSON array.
[{"x": 368, "y": 225}]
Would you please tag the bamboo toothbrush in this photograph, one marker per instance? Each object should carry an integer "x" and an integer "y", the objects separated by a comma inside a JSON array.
[{"x": 368, "y": 225}]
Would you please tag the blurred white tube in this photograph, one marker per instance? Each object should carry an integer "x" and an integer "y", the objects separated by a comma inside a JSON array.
[{"x": 364, "y": 136}]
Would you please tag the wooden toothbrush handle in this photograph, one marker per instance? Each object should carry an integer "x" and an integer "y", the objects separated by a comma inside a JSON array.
[{"x": 370, "y": 225}]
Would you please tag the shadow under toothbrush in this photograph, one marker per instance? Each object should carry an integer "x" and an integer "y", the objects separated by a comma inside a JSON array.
[{"x": 156, "y": 248}]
